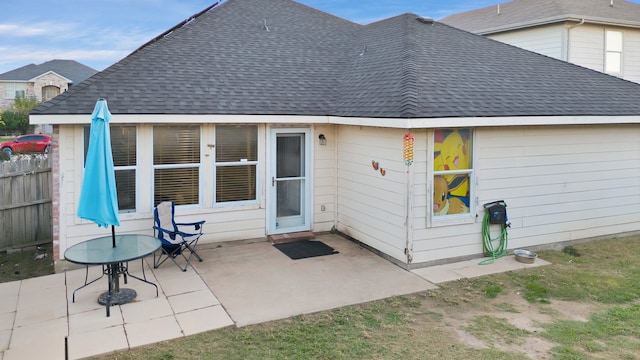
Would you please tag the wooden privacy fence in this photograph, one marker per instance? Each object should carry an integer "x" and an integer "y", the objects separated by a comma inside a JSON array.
[{"x": 25, "y": 202}]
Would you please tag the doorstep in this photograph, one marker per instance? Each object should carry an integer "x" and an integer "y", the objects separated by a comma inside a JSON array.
[{"x": 291, "y": 237}]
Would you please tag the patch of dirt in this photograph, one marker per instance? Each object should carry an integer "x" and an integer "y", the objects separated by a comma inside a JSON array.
[
  {"x": 574, "y": 310},
  {"x": 519, "y": 313}
]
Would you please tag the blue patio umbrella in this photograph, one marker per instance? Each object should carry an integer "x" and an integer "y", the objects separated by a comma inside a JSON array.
[{"x": 98, "y": 197}]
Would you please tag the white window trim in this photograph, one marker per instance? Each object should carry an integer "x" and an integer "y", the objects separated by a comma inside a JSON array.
[
  {"x": 145, "y": 174},
  {"x": 124, "y": 214},
  {"x": 456, "y": 219},
  {"x": 13, "y": 90},
  {"x": 619, "y": 52},
  {"x": 215, "y": 164},
  {"x": 154, "y": 167}
]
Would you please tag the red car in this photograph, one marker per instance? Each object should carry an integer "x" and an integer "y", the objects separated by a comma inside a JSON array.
[{"x": 27, "y": 144}]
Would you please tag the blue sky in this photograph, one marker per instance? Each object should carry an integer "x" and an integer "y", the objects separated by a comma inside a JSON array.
[{"x": 99, "y": 33}]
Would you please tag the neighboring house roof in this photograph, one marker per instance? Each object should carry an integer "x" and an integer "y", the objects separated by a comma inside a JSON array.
[
  {"x": 70, "y": 69},
  {"x": 518, "y": 14},
  {"x": 279, "y": 57}
]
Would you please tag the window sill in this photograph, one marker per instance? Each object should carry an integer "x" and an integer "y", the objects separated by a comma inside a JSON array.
[{"x": 453, "y": 220}]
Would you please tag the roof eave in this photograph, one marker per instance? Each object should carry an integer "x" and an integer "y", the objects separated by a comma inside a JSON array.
[
  {"x": 386, "y": 122},
  {"x": 558, "y": 19}
]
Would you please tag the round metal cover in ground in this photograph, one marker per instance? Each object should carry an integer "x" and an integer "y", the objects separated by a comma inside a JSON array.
[
  {"x": 525, "y": 256},
  {"x": 118, "y": 298}
]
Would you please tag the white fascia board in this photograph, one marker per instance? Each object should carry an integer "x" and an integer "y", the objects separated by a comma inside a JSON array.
[
  {"x": 433, "y": 123},
  {"x": 178, "y": 119},
  {"x": 396, "y": 123},
  {"x": 67, "y": 80},
  {"x": 558, "y": 19},
  {"x": 522, "y": 121}
]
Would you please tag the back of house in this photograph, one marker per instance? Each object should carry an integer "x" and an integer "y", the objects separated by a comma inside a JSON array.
[{"x": 271, "y": 117}]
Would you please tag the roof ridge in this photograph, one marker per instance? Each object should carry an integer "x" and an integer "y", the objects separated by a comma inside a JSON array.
[
  {"x": 409, "y": 79},
  {"x": 184, "y": 22}
]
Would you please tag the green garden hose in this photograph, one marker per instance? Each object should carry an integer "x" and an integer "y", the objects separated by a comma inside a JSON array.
[{"x": 487, "y": 241}]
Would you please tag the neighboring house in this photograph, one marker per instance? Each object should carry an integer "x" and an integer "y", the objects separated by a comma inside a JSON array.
[
  {"x": 603, "y": 35},
  {"x": 44, "y": 81},
  {"x": 270, "y": 117}
]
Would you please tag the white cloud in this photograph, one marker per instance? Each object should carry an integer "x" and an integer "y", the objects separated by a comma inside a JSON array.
[{"x": 19, "y": 30}]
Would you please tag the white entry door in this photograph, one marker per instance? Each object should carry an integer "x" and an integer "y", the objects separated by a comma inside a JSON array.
[{"x": 289, "y": 190}]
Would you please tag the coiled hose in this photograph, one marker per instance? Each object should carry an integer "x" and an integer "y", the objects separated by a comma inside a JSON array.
[{"x": 487, "y": 241}]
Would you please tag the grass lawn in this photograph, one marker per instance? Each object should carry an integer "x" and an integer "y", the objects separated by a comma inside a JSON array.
[
  {"x": 586, "y": 305},
  {"x": 26, "y": 263}
]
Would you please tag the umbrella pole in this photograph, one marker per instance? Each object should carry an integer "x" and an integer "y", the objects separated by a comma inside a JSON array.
[{"x": 113, "y": 235}]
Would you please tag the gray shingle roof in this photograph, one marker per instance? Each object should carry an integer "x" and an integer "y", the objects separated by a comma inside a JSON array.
[
  {"x": 306, "y": 62},
  {"x": 70, "y": 69},
  {"x": 524, "y": 13}
]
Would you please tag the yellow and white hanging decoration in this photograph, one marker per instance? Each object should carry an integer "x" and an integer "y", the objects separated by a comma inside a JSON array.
[{"x": 408, "y": 149}]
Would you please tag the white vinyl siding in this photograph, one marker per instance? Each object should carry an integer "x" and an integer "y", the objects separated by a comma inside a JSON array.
[
  {"x": 586, "y": 47},
  {"x": 225, "y": 223},
  {"x": 371, "y": 207},
  {"x": 559, "y": 183},
  {"x": 631, "y": 55},
  {"x": 545, "y": 40},
  {"x": 324, "y": 178}
]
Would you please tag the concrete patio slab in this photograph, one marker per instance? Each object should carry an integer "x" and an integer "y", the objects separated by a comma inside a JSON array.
[
  {"x": 257, "y": 283},
  {"x": 152, "y": 331},
  {"x": 473, "y": 268},
  {"x": 100, "y": 341},
  {"x": 9, "y": 298},
  {"x": 235, "y": 284},
  {"x": 205, "y": 319},
  {"x": 148, "y": 319}
]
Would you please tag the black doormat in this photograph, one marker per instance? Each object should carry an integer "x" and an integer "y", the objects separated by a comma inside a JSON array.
[{"x": 305, "y": 249}]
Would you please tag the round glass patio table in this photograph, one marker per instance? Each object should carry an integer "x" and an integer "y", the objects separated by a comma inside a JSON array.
[{"x": 100, "y": 251}]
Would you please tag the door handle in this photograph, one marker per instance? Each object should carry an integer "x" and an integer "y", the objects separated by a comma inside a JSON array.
[{"x": 273, "y": 181}]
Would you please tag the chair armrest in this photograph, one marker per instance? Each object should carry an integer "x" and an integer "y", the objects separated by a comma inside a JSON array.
[
  {"x": 196, "y": 225},
  {"x": 172, "y": 234}
]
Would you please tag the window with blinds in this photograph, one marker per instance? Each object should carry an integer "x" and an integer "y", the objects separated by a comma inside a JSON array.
[
  {"x": 236, "y": 161},
  {"x": 176, "y": 164},
  {"x": 123, "y": 148}
]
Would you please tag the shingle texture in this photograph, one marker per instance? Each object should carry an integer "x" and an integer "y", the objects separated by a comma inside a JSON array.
[
  {"x": 70, "y": 69},
  {"x": 278, "y": 57},
  {"x": 523, "y": 13}
]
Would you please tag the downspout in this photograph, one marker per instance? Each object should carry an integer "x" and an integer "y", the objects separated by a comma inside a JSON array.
[
  {"x": 569, "y": 37},
  {"x": 408, "y": 247}
]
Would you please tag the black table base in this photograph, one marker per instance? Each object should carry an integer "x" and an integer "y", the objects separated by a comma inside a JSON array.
[
  {"x": 115, "y": 295},
  {"x": 123, "y": 296}
]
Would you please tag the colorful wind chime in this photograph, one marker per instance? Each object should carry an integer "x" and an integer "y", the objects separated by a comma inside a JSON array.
[{"x": 408, "y": 149}]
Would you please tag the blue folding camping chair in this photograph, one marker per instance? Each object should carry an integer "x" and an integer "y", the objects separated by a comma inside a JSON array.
[{"x": 178, "y": 239}]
